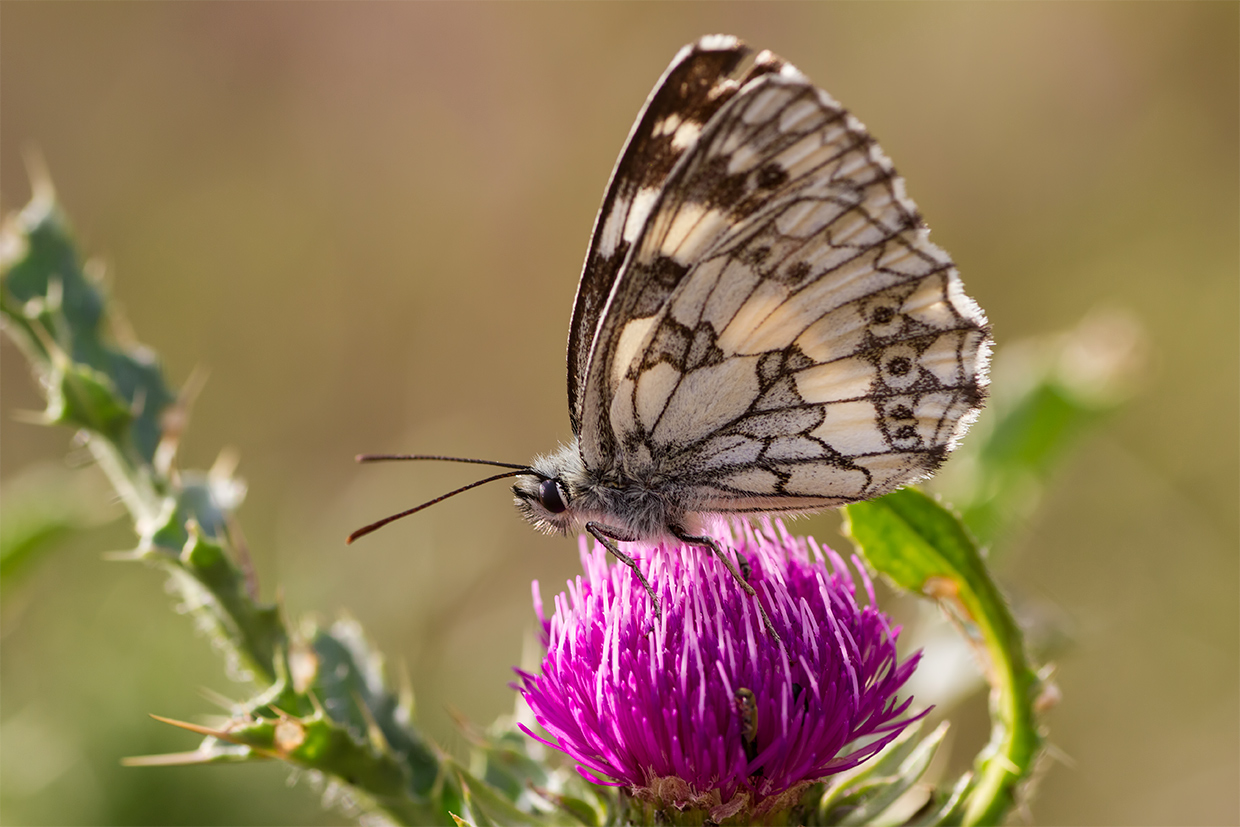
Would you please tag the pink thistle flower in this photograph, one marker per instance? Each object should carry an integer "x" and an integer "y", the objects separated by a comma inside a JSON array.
[{"x": 703, "y": 708}]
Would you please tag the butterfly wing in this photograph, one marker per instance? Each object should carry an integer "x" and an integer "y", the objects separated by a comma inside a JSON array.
[
  {"x": 700, "y": 80},
  {"x": 782, "y": 335}
]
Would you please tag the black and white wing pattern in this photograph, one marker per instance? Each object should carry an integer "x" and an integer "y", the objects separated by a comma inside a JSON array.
[
  {"x": 701, "y": 78},
  {"x": 769, "y": 327}
]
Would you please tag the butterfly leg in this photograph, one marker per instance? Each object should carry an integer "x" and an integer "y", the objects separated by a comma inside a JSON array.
[
  {"x": 707, "y": 542},
  {"x": 607, "y": 535}
]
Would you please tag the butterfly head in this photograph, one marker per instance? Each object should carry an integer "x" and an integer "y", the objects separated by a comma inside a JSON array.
[{"x": 548, "y": 497}]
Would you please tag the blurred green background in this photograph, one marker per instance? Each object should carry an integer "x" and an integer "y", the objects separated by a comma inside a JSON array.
[{"x": 367, "y": 220}]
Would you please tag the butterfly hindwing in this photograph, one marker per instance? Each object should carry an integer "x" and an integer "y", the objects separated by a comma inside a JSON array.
[{"x": 781, "y": 335}]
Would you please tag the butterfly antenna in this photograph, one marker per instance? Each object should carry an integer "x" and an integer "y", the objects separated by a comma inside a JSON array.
[
  {"x": 364, "y": 530},
  {"x": 387, "y": 457}
]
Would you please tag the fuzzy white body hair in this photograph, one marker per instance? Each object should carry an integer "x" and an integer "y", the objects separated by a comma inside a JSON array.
[{"x": 646, "y": 512}]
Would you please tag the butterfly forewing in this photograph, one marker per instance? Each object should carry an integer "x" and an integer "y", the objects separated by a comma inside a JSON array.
[
  {"x": 781, "y": 335},
  {"x": 699, "y": 81}
]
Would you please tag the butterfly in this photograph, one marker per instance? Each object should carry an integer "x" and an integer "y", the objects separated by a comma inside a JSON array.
[{"x": 762, "y": 324}]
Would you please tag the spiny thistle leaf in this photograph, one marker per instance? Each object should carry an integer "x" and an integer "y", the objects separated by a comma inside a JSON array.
[
  {"x": 863, "y": 794},
  {"x": 58, "y": 315},
  {"x": 325, "y": 704}
]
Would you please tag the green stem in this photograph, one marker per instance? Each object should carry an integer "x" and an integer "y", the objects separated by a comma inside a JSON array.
[
  {"x": 924, "y": 548},
  {"x": 1015, "y": 740}
]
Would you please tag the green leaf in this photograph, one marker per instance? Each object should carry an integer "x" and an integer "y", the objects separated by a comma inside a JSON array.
[
  {"x": 489, "y": 806},
  {"x": 477, "y": 817},
  {"x": 950, "y": 810},
  {"x": 861, "y": 794},
  {"x": 924, "y": 548},
  {"x": 256, "y": 631},
  {"x": 327, "y": 746},
  {"x": 909, "y": 537},
  {"x": 53, "y": 310},
  {"x": 349, "y": 668},
  {"x": 504, "y": 764},
  {"x": 81, "y": 397},
  {"x": 896, "y": 781},
  {"x": 578, "y": 809}
]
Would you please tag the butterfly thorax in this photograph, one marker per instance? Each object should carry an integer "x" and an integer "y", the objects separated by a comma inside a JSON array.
[{"x": 565, "y": 494}]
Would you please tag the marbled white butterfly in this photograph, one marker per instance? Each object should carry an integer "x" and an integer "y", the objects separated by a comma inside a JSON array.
[{"x": 762, "y": 324}]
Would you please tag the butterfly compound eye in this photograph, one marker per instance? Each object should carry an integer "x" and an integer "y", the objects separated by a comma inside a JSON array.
[{"x": 552, "y": 497}]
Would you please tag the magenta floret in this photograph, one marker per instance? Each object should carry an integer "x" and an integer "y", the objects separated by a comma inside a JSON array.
[{"x": 661, "y": 705}]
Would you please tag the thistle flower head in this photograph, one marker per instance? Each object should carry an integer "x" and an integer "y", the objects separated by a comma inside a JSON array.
[{"x": 702, "y": 708}]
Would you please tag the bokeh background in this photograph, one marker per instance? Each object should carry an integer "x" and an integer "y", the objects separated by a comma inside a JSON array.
[{"x": 366, "y": 222}]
